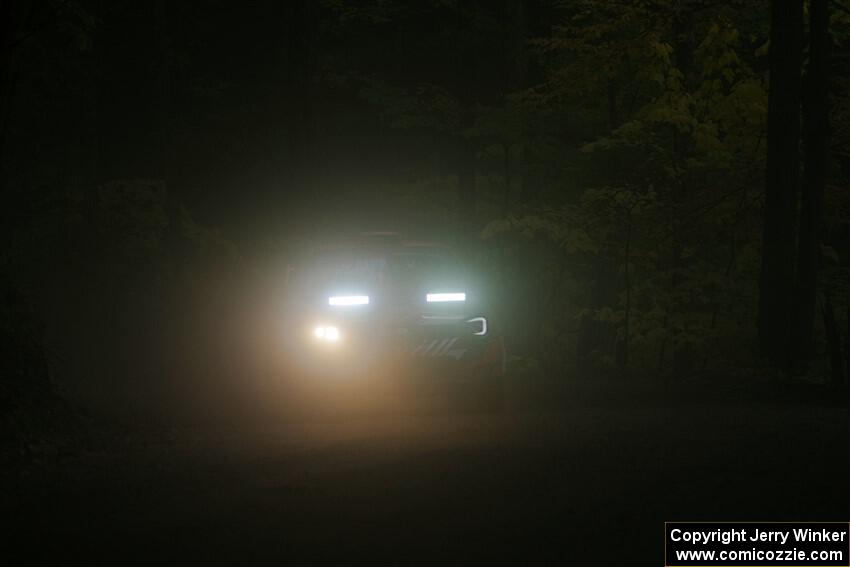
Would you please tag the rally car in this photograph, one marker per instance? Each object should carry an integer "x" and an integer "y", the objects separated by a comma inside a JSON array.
[{"x": 381, "y": 308}]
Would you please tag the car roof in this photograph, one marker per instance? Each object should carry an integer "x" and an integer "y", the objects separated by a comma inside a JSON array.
[{"x": 381, "y": 242}]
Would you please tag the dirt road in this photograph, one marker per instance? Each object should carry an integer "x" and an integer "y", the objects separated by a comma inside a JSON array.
[{"x": 585, "y": 482}]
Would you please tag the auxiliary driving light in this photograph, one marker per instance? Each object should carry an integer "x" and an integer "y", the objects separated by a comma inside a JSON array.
[
  {"x": 340, "y": 300},
  {"x": 326, "y": 333},
  {"x": 442, "y": 297}
]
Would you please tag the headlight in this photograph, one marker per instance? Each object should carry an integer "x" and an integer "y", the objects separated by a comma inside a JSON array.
[
  {"x": 442, "y": 297},
  {"x": 340, "y": 300},
  {"x": 326, "y": 333}
]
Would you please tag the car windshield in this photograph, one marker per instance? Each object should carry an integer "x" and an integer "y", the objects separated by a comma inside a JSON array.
[
  {"x": 417, "y": 268},
  {"x": 339, "y": 269},
  {"x": 348, "y": 263}
]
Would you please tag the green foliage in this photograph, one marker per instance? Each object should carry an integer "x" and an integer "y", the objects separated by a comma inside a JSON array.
[
  {"x": 669, "y": 183},
  {"x": 617, "y": 148}
]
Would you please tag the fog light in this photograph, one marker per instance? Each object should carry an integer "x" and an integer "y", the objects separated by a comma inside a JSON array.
[{"x": 326, "y": 333}]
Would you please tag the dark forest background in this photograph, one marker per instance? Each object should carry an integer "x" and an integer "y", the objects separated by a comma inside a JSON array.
[{"x": 652, "y": 189}]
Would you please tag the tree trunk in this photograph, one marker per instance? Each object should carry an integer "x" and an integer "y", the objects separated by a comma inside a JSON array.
[
  {"x": 466, "y": 186},
  {"x": 847, "y": 338},
  {"x": 613, "y": 110},
  {"x": 816, "y": 170},
  {"x": 595, "y": 336},
  {"x": 623, "y": 350},
  {"x": 13, "y": 14},
  {"x": 776, "y": 283},
  {"x": 464, "y": 89},
  {"x": 833, "y": 342},
  {"x": 293, "y": 120}
]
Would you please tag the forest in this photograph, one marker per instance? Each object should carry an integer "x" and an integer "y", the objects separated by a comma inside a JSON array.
[{"x": 653, "y": 190}]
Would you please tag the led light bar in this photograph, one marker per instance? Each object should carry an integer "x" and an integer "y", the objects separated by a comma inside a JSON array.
[
  {"x": 338, "y": 300},
  {"x": 442, "y": 297}
]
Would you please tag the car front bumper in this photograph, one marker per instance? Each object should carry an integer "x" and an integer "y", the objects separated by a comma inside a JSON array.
[{"x": 449, "y": 348}]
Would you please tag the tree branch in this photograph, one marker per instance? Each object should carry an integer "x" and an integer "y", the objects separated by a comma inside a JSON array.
[
  {"x": 840, "y": 6},
  {"x": 38, "y": 28}
]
